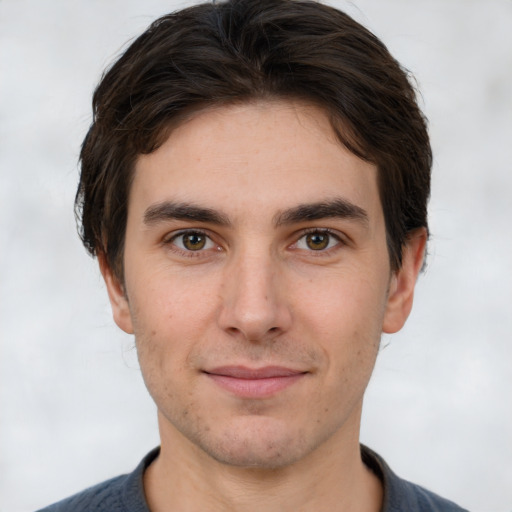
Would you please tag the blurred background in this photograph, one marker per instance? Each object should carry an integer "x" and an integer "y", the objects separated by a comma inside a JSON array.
[{"x": 73, "y": 407}]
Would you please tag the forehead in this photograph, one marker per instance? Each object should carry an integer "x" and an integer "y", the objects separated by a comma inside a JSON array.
[{"x": 268, "y": 154}]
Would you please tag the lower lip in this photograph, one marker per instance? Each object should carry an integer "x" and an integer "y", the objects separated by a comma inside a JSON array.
[{"x": 255, "y": 388}]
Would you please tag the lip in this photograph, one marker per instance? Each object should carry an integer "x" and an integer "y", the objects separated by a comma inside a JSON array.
[{"x": 254, "y": 382}]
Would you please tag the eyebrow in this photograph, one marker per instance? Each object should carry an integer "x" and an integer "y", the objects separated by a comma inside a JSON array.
[
  {"x": 168, "y": 210},
  {"x": 335, "y": 208}
]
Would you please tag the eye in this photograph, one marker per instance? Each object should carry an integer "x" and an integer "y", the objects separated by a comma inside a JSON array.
[
  {"x": 319, "y": 240},
  {"x": 192, "y": 241}
]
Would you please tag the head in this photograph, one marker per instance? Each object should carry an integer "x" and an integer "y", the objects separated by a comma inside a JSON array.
[
  {"x": 253, "y": 184},
  {"x": 241, "y": 51}
]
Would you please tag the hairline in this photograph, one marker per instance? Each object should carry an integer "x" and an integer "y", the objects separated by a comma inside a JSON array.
[{"x": 196, "y": 109}]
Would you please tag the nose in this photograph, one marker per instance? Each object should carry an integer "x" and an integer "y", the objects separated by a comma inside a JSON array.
[{"x": 254, "y": 302}]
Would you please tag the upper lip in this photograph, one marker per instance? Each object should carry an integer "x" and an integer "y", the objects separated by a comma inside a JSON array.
[{"x": 243, "y": 372}]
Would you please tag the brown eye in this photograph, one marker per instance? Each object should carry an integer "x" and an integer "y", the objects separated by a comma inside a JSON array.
[
  {"x": 320, "y": 240},
  {"x": 317, "y": 241},
  {"x": 194, "y": 241}
]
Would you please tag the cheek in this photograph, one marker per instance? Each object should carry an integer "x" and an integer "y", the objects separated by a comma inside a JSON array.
[
  {"x": 167, "y": 302},
  {"x": 347, "y": 302},
  {"x": 344, "y": 317},
  {"x": 170, "y": 319}
]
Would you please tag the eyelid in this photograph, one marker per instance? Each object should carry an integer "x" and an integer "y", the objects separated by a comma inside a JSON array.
[
  {"x": 170, "y": 238},
  {"x": 340, "y": 239}
]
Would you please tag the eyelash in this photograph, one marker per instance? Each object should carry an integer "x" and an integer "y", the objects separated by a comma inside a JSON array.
[
  {"x": 321, "y": 231},
  {"x": 170, "y": 241}
]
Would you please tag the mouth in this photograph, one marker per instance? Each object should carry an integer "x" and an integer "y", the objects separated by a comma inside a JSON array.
[{"x": 254, "y": 382}]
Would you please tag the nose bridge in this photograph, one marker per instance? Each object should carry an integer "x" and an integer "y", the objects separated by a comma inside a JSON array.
[{"x": 253, "y": 303}]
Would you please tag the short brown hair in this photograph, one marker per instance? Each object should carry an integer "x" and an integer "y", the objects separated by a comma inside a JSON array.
[{"x": 240, "y": 50}]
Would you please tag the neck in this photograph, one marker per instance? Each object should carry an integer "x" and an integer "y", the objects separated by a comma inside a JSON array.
[{"x": 333, "y": 478}]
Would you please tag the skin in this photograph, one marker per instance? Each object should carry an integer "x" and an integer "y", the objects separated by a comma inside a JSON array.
[{"x": 253, "y": 283}]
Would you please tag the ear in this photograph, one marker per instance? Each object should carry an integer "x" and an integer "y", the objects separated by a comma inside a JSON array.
[
  {"x": 403, "y": 281},
  {"x": 117, "y": 296}
]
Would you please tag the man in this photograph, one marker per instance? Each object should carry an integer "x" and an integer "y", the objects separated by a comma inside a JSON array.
[{"x": 255, "y": 185}]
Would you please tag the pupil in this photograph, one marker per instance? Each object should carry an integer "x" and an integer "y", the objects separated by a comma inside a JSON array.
[
  {"x": 194, "y": 241},
  {"x": 317, "y": 241}
]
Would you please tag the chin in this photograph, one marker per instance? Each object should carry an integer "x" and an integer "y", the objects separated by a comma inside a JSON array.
[{"x": 256, "y": 443}]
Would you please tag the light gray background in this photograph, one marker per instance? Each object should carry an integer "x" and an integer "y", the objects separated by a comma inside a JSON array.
[{"x": 73, "y": 408}]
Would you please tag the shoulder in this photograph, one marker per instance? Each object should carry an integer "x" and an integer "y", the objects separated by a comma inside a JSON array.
[
  {"x": 422, "y": 500},
  {"x": 123, "y": 493},
  {"x": 401, "y": 495},
  {"x": 106, "y": 496}
]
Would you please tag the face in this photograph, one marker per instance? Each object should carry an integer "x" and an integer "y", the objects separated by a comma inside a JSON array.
[{"x": 257, "y": 283}]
